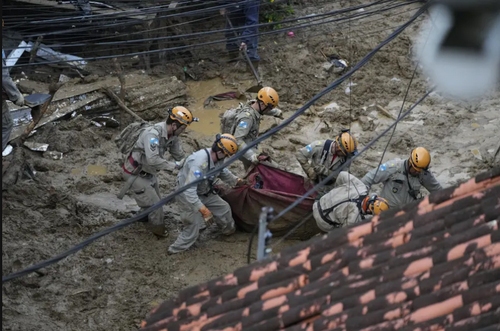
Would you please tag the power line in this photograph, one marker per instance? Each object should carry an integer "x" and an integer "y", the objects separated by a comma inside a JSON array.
[{"x": 185, "y": 47}]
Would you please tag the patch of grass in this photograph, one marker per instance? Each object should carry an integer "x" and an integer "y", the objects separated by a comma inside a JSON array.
[{"x": 275, "y": 12}]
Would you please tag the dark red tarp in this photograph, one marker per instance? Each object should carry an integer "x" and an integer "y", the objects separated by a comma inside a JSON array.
[{"x": 273, "y": 187}]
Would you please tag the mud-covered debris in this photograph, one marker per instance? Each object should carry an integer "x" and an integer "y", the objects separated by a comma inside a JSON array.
[
  {"x": 280, "y": 144},
  {"x": 105, "y": 121},
  {"x": 297, "y": 141},
  {"x": 327, "y": 66},
  {"x": 64, "y": 79},
  {"x": 331, "y": 108},
  {"x": 37, "y": 147},
  {"x": 339, "y": 65},
  {"x": 367, "y": 123},
  {"x": 477, "y": 154},
  {"x": 384, "y": 112},
  {"x": 348, "y": 88},
  {"x": 53, "y": 155}
]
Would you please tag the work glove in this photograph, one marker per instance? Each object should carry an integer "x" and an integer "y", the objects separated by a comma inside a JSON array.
[
  {"x": 263, "y": 157},
  {"x": 208, "y": 217},
  {"x": 20, "y": 100},
  {"x": 311, "y": 174},
  {"x": 321, "y": 169},
  {"x": 254, "y": 159},
  {"x": 278, "y": 113},
  {"x": 240, "y": 182},
  {"x": 179, "y": 164}
]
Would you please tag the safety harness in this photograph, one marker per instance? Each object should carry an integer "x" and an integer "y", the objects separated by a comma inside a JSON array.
[
  {"x": 326, "y": 149},
  {"x": 324, "y": 153},
  {"x": 323, "y": 213},
  {"x": 210, "y": 180}
]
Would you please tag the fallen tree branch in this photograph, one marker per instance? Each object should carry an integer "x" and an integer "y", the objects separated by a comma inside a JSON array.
[{"x": 120, "y": 103}]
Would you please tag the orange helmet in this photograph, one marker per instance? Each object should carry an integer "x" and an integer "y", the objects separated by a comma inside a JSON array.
[
  {"x": 227, "y": 143},
  {"x": 182, "y": 115},
  {"x": 420, "y": 159},
  {"x": 268, "y": 96},
  {"x": 374, "y": 204},
  {"x": 346, "y": 143}
]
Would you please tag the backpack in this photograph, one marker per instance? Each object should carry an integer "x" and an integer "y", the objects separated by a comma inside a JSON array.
[
  {"x": 126, "y": 140},
  {"x": 228, "y": 119}
]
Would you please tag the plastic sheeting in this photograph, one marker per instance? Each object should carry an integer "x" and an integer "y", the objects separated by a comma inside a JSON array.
[{"x": 273, "y": 187}]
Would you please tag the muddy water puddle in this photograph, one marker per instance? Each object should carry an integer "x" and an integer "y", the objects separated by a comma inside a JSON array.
[
  {"x": 209, "y": 123},
  {"x": 91, "y": 170}
]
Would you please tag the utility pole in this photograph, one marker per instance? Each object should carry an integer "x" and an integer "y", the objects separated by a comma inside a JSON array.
[{"x": 264, "y": 233}]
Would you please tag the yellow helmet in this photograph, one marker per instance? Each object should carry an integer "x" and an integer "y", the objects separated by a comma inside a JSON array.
[
  {"x": 268, "y": 96},
  {"x": 227, "y": 143},
  {"x": 347, "y": 143},
  {"x": 182, "y": 115},
  {"x": 375, "y": 204},
  {"x": 420, "y": 159}
]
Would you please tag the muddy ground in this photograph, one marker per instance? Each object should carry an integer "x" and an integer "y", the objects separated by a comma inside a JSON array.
[{"x": 114, "y": 282}]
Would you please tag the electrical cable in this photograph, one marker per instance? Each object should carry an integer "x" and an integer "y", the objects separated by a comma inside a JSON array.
[
  {"x": 177, "y": 48},
  {"x": 132, "y": 12},
  {"x": 394, "y": 130},
  {"x": 260, "y": 25},
  {"x": 232, "y": 159},
  {"x": 211, "y": 32},
  {"x": 399, "y": 114}
]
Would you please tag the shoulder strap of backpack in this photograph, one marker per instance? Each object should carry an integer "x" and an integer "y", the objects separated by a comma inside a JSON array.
[
  {"x": 237, "y": 111},
  {"x": 326, "y": 149},
  {"x": 143, "y": 128}
]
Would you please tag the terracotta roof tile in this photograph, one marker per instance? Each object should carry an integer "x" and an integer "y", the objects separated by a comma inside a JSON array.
[{"x": 432, "y": 265}]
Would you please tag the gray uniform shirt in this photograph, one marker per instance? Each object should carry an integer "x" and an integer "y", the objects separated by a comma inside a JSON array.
[
  {"x": 195, "y": 167},
  {"x": 310, "y": 157},
  {"x": 247, "y": 127},
  {"x": 397, "y": 182},
  {"x": 8, "y": 86},
  {"x": 150, "y": 148},
  {"x": 346, "y": 187}
]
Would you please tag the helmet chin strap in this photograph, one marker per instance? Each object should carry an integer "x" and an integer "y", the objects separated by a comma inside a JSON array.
[
  {"x": 217, "y": 156},
  {"x": 261, "y": 111},
  {"x": 260, "y": 108},
  {"x": 178, "y": 128},
  {"x": 361, "y": 204}
]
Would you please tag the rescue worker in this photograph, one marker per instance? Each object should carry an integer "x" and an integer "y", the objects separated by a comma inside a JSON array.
[
  {"x": 248, "y": 122},
  {"x": 321, "y": 158},
  {"x": 346, "y": 204},
  {"x": 200, "y": 203},
  {"x": 403, "y": 179},
  {"x": 244, "y": 15},
  {"x": 12, "y": 93},
  {"x": 141, "y": 166}
]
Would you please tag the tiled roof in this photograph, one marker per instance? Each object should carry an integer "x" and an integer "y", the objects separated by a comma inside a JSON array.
[{"x": 433, "y": 265}]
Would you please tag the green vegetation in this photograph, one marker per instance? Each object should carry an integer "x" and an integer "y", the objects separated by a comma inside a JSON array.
[{"x": 274, "y": 12}]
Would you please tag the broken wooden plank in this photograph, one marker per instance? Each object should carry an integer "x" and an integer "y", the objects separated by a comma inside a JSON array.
[
  {"x": 120, "y": 103},
  {"x": 385, "y": 112}
]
